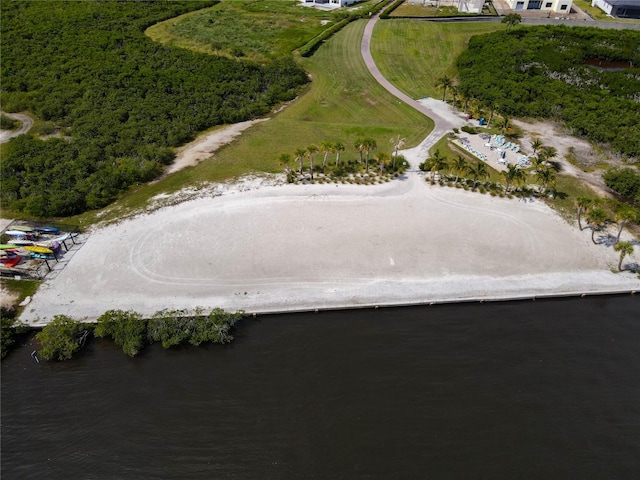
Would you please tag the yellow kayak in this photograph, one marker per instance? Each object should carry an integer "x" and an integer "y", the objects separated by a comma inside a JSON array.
[{"x": 36, "y": 249}]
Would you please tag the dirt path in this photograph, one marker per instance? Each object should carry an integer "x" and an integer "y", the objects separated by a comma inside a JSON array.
[
  {"x": 205, "y": 145},
  {"x": 25, "y": 120}
]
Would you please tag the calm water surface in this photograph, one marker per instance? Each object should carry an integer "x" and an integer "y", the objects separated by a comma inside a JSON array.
[{"x": 498, "y": 391}]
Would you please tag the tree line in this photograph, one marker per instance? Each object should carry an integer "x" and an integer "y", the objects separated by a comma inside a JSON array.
[
  {"x": 122, "y": 100},
  {"x": 64, "y": 336},
  {"x": 543, "y": 72}
]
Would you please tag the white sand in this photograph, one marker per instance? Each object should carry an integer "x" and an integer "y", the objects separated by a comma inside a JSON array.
[{"x": 292, "y": 247}]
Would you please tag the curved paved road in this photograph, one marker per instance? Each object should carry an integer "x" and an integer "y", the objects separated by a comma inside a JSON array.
[
  {"x": 25, "y": 120},
  {"x": 442, "y": 125}
]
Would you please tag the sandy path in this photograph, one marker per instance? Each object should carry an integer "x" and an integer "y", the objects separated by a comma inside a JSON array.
[
  {"x": 205, "y": 145},
  {"x": 25, "y": 120}
]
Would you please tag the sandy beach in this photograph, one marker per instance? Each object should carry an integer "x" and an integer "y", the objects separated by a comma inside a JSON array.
[{"x": 303, "y": 247}]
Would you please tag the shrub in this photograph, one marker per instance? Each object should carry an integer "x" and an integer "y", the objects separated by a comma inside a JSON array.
[
  {"x": 469, "y": 129},
  {"x": 625, "y": 181},
  {"x": 127, "y": 329},
  {"x": 176, "y": 327},
  {"x": 7, "y": 123},
  {"x": 61, "y": 338},
  {"x": 9, "y": 330}
]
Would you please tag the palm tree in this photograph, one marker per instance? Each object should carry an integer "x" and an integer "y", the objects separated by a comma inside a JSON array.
[
  {"x": 369, "y": 144},
  {"x": 546, "y": 176},
  {"x": 505, "y": 126},
  {"x": 398, "y": 143},
  {"x": 464, "y": 99},
  {"x": 582, "y": 204},
  {"x": 512, "y": 175},
  {"x": 444, "y": 83},
  {"x": 434, "y": 163},
  {"x": 338, "y": 147},
  {"x": 492, "y": 108},
  {"x": 325, "y": 148},
  {"x": 359, "y": 147},
  {"x": 311, "y": 152},
  {"x": 625, "y": 248},
  {"x": 460, "y": 166},
  {"x": 596, "y": 218},
  {"x": 382, "y": 158},
  {"x": 285, "y": 159},
  {"x": 536, "y": 144},
  {"x": 300, "y": 153},
  {"x": 623, "y": 217},
  {"x": 549, "y": 152},
  {"x": 476, "y": 111},
  {"x": 478, "y": 171},
  {"x": 455, "y": 93}
]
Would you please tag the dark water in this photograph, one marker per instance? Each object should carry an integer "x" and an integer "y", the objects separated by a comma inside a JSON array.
[{"x": 537, "y": 390}]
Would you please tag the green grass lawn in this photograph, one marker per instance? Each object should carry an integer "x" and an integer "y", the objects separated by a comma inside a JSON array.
[
  {"x": 343, "y": 102},
  {"x": 414, "y": 55}
]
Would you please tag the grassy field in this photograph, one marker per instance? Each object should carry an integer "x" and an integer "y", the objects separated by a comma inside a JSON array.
[
  {"x": 342, "y": 103},
  {"x": 414, "y": 55},
  {"x": 254, "y": 30}
]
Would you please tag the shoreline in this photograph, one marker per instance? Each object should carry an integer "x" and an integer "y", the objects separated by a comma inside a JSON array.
[
  {"x": 396, "y": 244},
  {"x": 435, "y": 303}
]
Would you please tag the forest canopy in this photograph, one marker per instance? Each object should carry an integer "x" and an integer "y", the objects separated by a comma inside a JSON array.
[
  {"x": 121, "y": 99},
  {"x": 556, "y": 72}
]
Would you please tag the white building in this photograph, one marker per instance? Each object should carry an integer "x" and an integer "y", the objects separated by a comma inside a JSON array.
[
  {"x": 470, "y": 6},
  {"x": 619, "y": 8},
  {"x": 556, "y": 6},
  {"x": 466, "y": 6},
  {"x": 330, "y": 3}
]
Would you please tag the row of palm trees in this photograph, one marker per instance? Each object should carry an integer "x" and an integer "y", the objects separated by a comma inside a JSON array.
[
  {"x": 478, "y": 171},
  {"x": 597, "y": 218},
  {"x": 364, "y": 147}
]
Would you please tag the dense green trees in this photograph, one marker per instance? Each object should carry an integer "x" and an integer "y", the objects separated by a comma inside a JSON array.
[
  {"x": 625, "y": 181},
  {"x": 127, "y": 329},
  {"x": 7, "y": 123},
  {"x": 61, "y": 338},
  {"x": 124, "y": 100},
  {"x": 544, "y": 72},
  {"x": 173, "y": 328}
]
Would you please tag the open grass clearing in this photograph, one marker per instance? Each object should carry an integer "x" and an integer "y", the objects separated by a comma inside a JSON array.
[
  {"x": 342, "y": 103},
  {"x": 253, "y": 30},
  {"x": 414, "y": 55}
]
